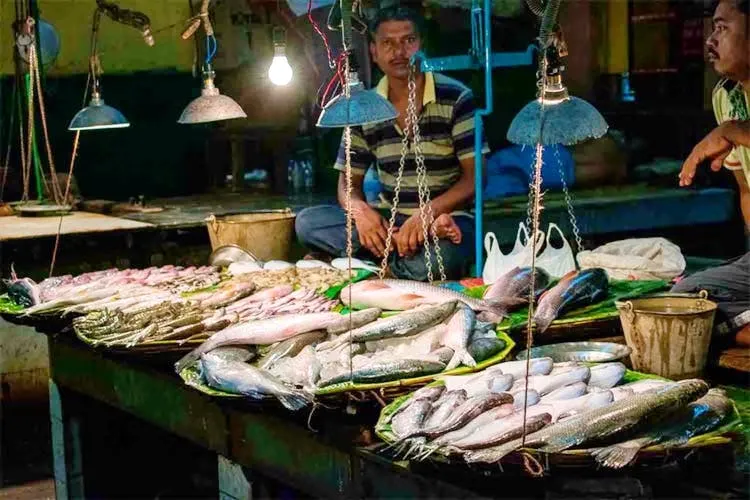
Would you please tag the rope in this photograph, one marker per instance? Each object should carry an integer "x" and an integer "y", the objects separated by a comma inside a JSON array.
[
  {"x": 67, "y": 193},
  {"x": 532, "y": 465}
]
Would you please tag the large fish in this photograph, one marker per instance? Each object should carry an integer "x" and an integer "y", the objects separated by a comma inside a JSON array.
[
  {"x": 386, "y": 370},
  {"x": 606, "y": 375},
  {"x": 545, "y": 384},
  {"x": 575, "y": 289},
  {"x": 699, "y": 417},
  {"x": 460, "y": 328},
  {"x": 269, "y": 331},
  {"x": 399, "y": 325},
  {"x": 444, "y": 407},
  {"x": 602, "y": 423},
  {"x": 464, "y": 413},
  {"x": 240, "y": 378},
  {"x": 512, "y": 288},
  {"x": 502, "y": 430},
  {"x": 411, "y": 419},
  {"x": 372, "y": 293},
  {"x": 496, "y": 413},
  {"x": 437, "y": 294}
]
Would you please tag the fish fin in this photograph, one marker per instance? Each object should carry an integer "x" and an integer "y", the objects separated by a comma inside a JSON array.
[
  {"x": 188, "y": 359},
  {"x": 460, "y": 357},
  {"x": 295, "y": 401},
  {"x": 559, "y": 445},
  {"x": 618, "y": 455}
]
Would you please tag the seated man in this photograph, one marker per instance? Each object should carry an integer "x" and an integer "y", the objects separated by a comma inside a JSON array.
[{"x": 445, "y": 108}]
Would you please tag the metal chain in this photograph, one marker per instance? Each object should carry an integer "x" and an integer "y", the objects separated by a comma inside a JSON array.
[{"x": 569, "y": 203}]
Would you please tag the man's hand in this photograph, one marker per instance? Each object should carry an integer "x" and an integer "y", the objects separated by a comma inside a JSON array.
[
  {"x": 410, "y": 236},
  {"x": 371, "y": 227},
  {"x": 715, "y": 147}
]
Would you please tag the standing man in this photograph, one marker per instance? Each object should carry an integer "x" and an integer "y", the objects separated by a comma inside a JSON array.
[
  {"x": 728, "y": 146},
  {"x": 445, "y": 108}
]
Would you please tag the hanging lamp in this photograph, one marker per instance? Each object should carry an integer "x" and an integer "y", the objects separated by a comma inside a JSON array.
[
  {"x": 362, "y": 106},
  {"x": 555, "y": 117},
  {"x": 98, "y": 115},
  {"x": 212, "y": 105}
]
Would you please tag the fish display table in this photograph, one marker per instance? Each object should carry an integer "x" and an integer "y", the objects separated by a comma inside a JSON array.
[{"x": 126, "y": 427}]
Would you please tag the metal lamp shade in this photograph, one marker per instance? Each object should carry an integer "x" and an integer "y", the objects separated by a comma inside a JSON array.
[
  {"x": 97, "y": 116},
  {"x": 211, "y": 106},
  {"x": 361, "y": 108},
  {"x": 569, "y": 121}
]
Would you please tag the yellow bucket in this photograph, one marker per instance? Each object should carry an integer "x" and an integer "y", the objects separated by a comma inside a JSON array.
[
  {"x": 669, "y": 334},
  {"x": 265, "y": 234}
]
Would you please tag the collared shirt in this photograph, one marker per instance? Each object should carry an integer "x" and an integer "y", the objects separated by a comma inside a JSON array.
[
  {"x": 446, "y": 127},
  {"x": 724, "y": 110}
]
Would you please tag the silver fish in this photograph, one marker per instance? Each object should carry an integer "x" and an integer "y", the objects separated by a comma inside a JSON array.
[
  {"x": 537, "y": 366},
  {"x": 271, "y": 330},
  {"x": 545, "y": 384},
  {"x": 240, "y": 378},
  {"x": 699, "y": 417},
  {"x": 411, "y": 419},
  {"x": 399, "y": 325},
  {"x": 571, "y": 391},
  {"x": 503, "y": 430},
  {"x": 442, "y": 408},
  {"x": 428, "y": 392},
  {"x": 464, "y": 413},
  {"x": 234, "y": 353},
  {"x": 601, "y": 423},
  {"x": 386, "y": 370},
  {"x": 483, "y": 385},
  {"x": 528, "y": 398},
  {"x": 291, "y": 347},
  {"x": 512, "y": 289},
  {"x": 606, "y": 375},
  {"x": 460, "y": 328},
  {"x": 467, "y": 430}
]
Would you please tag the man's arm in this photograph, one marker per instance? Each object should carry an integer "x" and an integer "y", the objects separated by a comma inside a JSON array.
[
  {"x": 744, "y": 191},
  {"x": 370, "y": 224},
  {"x": 715, "y": 147}
]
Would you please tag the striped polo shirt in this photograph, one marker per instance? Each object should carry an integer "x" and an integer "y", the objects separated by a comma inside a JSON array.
[
  {"x": 446, "y": 126},
  {"x": 724, "y": 110}
]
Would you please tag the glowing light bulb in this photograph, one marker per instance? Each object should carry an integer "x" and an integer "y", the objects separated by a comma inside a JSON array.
[{"x": 280, "y": 73}]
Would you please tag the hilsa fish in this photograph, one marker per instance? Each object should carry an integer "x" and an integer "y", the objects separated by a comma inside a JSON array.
[
  {"x": 241, "y": 378},
  {"x": 512, "y": 288},
  {"x": 275, "y": 329},
  {"x": 601, "y": 423},
  {"x": 574, "y": 290},
  {"x": 699, "y": 417},
  {"x": 386, "y": 370}
]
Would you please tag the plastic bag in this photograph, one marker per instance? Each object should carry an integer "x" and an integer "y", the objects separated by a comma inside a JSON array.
[
  {"x": 556, "y": 261},
  {"x": 498, "y": 264},
  {"x": 636, "y": 258}
]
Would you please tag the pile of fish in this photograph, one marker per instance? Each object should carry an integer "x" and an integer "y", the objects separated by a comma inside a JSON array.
[
  {"x": 510, "y": 291},
  {"x": 481, "y": 417},
  {"x": 313, "y": 274},
  {"x": 61, "y": 291},
  {"x": 143, "y": 319}
]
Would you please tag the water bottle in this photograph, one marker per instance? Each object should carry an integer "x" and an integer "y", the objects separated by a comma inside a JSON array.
[{"x": 309, "y": 177}]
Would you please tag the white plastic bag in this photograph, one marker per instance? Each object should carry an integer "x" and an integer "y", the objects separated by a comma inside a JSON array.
[
  {"x": 636, "y": 258},
  {"x": 556, "y": 261},
  {"x": 498, "y": 264}
]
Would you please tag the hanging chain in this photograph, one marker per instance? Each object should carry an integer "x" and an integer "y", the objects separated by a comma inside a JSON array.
[{"x": 569, "y": 203}]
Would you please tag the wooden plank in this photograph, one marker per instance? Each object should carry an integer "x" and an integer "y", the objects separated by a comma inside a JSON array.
[
  {"x": 736, "y": 358},
  {"x": 18, "y": 228}
]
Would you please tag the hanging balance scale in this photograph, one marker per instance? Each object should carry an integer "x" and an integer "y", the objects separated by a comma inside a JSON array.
[{"x": 35, "y": 53}]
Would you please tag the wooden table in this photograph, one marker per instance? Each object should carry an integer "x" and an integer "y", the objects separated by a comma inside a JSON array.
[{"x": 18, "y": 228}]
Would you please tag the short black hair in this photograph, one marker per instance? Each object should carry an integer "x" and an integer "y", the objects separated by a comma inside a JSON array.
[
  {"x": 741, "y": 5},
  {"x": 397, "y": 13}
]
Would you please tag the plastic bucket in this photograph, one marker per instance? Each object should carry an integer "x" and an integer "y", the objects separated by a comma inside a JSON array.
[
  {"x": 265, "y": 234},
  {"x": 669, "y": 334}
]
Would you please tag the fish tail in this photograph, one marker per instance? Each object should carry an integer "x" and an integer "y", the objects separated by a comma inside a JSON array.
[
  {"x": 294, "y": 400},
  {"x": 618, "y": 455},
  {"x": 494, "y": 454},
  {"x": 460, "y": 357}
]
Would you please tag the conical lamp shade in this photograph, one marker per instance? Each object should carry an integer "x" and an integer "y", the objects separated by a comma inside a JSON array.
[
  {"x": 211, "y": 106},
  {"x": 567, "y": 122},
  {"x": 97, "y": 116},
  {"x": 361, "y": 108}
]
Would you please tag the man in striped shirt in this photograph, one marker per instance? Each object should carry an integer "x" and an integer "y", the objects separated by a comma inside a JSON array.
[{"x": 445, "y": 108}]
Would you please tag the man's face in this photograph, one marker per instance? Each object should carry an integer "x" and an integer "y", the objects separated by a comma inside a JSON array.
[
  {"x": 393, "y": 44},
  {"x": 728, "y": 45}
]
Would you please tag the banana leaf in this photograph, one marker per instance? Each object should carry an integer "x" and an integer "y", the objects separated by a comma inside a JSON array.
[
  {"x": 722, "y": 435},
  {"x": 8, "y": 306}
]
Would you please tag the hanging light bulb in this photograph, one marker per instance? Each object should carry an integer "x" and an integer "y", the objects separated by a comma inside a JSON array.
[
  {"x": 211, "y": 106},
  {"x": 280, "y": 72}
]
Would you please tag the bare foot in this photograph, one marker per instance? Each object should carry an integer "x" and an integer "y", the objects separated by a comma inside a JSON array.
[{"x": 446, "y": 228}]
